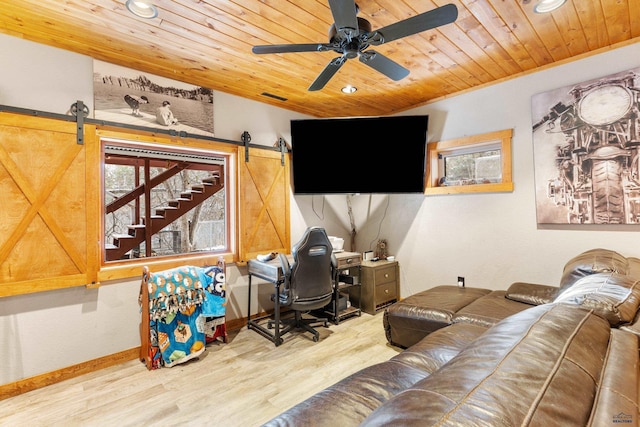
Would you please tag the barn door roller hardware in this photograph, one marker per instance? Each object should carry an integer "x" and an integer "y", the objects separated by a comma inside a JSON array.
[
  {"x": 246, "y": 139},
  {"x": 283, "y": 149},
  {"x": 83, "y": 110}
]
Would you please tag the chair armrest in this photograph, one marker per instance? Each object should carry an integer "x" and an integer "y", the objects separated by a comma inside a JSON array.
[{"x": 531, "y": 293}]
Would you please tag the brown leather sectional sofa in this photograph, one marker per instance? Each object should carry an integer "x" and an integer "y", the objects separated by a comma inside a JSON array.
[{"x": 531, "y": 355}]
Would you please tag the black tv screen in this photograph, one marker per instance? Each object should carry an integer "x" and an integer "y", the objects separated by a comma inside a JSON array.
[{"x": 359, "y": 155}]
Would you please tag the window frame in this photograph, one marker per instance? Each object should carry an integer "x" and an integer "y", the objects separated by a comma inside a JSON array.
[
  {"x": 110, "y": 270},
  {"x": 435, "y": 165},
  {"x": 68, "y": 203}
]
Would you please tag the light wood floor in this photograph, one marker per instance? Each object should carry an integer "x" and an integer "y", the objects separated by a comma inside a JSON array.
[{"x": 245, "y": 382}]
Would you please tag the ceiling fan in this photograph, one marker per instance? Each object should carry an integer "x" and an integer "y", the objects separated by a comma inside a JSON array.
[{"x": 350, "y": 36}]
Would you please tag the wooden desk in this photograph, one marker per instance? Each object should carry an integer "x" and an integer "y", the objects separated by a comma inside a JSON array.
[{"x": 272, "y": 272}]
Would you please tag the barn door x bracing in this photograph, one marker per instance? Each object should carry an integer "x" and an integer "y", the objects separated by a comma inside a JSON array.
[
  {"x": 263, "y": 203},
  {"x": 44, "y": 188}
]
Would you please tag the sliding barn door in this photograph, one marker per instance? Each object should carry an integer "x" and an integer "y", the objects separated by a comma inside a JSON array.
[
  {"x": 43, "y": 215},
  {"x": 263, "y": 203}
]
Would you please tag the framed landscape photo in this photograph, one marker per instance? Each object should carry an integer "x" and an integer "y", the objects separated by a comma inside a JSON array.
[
  {"x": 131, "y": 97},
  {"x": 586, "y": 140}
]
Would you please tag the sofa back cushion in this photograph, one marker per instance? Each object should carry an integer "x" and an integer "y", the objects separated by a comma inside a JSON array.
[
  {"x": 538, "y": 367},
  {"x": 531, "y": 293},
  {"x": 617, "y": 399},
  {"x": 634, "y": 267},
  {"x": 610, "y": 295},
  {"x": 592, "y": 262}
]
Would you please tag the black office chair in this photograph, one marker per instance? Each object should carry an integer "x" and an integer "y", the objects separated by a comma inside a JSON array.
[{"x": 308, "y": 280}]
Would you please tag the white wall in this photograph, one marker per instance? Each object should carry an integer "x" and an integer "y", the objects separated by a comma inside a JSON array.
[
  {"x": 491, "y": 239},
  {"x": 40, "y": 78}
]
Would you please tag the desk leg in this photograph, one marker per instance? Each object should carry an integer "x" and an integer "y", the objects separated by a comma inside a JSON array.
[
  {"x": 249, "y": 305},
  {"x": 254, "y": 323},
  {"x": 336, "y": 297},
  {"x": 334, "y": 303},
  {"x": 276, "y": 307}
]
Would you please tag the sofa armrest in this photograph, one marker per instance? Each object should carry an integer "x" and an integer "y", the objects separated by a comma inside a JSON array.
[{"x": 531, "y": 293}]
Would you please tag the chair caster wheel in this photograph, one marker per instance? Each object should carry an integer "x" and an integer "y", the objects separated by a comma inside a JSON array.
[
  {"x": 270, "y": 325},
  {"x": 315, "y": 338}
]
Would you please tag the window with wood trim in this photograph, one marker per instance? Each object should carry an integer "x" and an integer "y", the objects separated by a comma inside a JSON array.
[
  {"x": 474, "y": 164},
  {"x": 161, "y": 200},
  {"x": 51, "y": 228}
]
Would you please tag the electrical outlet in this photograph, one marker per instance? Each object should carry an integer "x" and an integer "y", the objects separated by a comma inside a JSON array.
[{"x": 461, "y": 281}]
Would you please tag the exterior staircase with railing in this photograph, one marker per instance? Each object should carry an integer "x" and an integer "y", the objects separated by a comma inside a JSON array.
[{"x": 162, "y": 217}]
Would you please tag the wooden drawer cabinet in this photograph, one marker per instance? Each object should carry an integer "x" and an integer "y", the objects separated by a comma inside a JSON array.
[
  {"x": 348, "y": 259},
  {"x": 380, "y": 281}
]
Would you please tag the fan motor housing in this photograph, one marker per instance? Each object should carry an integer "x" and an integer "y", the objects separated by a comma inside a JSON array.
[{"x": 354, "y": 46}]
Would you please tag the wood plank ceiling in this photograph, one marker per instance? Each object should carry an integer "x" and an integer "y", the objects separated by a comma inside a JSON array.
[{"x": 208, "y": 43}]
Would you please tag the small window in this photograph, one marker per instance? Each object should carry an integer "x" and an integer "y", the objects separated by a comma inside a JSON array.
[
  {"x": 163, "y": 201},
  {"x": 479, "y": 167},
  {"x": 479, "y": 163}
]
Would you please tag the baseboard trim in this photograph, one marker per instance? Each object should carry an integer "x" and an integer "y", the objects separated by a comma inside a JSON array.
[{"x": 43, "y": 380}]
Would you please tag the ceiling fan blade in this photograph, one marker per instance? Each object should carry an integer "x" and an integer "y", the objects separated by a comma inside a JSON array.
[
  {"x": 416, "y": 24},
  {"x": 327, "y": 73},
  {"x": 386, "y": 66},
  {"x": 289, "y": 48},
  {"x": 344, "y": 16}
]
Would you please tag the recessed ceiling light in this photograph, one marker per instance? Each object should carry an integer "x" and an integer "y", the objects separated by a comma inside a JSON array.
[
  {"x": 349, "y": 89},
  {"x": 545, "y": 6},
  {"x": 141, "y": 8}
]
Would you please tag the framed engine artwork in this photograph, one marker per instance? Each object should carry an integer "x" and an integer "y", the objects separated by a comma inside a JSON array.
[{"x": 586, "y": 140}]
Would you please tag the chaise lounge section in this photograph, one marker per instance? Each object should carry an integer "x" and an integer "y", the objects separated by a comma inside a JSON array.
[
  {"x": 567, "y": 356},
  {"x": 413, "y": 318}
]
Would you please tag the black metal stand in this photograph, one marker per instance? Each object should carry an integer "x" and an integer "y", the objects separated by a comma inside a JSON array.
[
  {"x": 271, "y": 271},
  {"x": 336, "y": 314},
  {"x": 79, "y": 113}
]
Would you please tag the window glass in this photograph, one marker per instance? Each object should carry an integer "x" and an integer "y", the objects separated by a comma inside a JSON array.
[
  {"x": 482, "y": 167},
  {"x": 163, "y": 201}
]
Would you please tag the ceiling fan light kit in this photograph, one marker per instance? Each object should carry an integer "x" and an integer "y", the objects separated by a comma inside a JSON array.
[
  {"x": 350, "y": 36},
  {"x": 142, "y": 9}
]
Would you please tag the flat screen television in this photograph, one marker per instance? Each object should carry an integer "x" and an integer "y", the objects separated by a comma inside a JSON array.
[{"x": 359, "y": 155}]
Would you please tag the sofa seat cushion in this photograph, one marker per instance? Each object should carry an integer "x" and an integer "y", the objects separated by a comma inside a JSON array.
[
  {"x": 612, "y": 296},
  {"x": 489, "y": 309},
  {"x": 538, "y": 367},
  {"x": 408, "y": 321}
]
